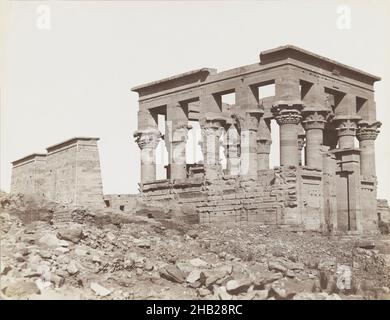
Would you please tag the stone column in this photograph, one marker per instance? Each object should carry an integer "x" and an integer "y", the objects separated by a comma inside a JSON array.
[
  {"x": 249, "y": 122},
  {"x": 212, "y": 128},
  {"x": 176, "y": 138},
  {"x": 178, "y": 166},
  {"x": 366, "y": 134},
  {"x": 330, "y": 135},
  {"x": 346, "y": 127},
  {"x": 263, "y": 145},
  {"x": 232, "y": 154},
  {"x": 349, "y": 212},
  {"x": 288, "y": 118},
  {"x": 148, "y": 140},
  {"x": 301, "y": 143},
  {"x": 314, "y": 124}
]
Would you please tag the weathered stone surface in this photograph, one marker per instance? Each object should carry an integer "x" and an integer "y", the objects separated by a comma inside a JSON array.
[
  {"x": 203, "y": 292},
  {"x": 51, "y": 241},
  {"x": 198, "y": 262},
  {"x": 73, "y": 233},
  {"x": 276, "y": 266},
  {"x": 316, "y": 296},
  {"x": 100, "y": 290},
  {"x": 143, "y": 243},
  {"x": 196, "y": 275},
  {"x": 172, "y": 273},
  {"x": 72, "y": 268},
  {"x": 54, "y": 174},
  {"x": 222, "y": 294},
  {"x": 238, "y": 286},
  {"x": 21, "y": 288}
]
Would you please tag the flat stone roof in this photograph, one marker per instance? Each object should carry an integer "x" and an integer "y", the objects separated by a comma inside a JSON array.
[
  {"x": 290, "y": 51},
  {"x": 70, "y": 141},
  {"x": 279, "y": 55},
  {"x": 175, "y": 77},
  {"x": 28, "y": 158}
]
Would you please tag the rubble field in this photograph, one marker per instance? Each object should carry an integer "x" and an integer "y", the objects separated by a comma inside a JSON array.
[{"x": 50, "y": 251}]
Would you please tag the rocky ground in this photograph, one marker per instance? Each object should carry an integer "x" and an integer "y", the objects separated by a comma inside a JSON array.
[{"x": 54, "y": 252}]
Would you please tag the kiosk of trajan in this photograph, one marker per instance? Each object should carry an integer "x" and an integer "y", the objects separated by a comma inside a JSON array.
[{"x": 324, "y": 110}]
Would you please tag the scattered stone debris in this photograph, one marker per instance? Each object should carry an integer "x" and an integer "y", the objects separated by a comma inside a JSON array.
[
  {"x": 133, "y": 258},
  {"x": 100, "y": 290}
]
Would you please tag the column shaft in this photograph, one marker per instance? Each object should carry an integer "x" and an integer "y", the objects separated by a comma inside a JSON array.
[
  {"x": 176, "y": 139},
  {"x": 177, "y": 155},
  {"x": 263, "y": 144},
  {"x": 288, "y": 144},
  {"x": 264, "y": 147},
  {"x": 366, "y": 134},
  {"x": 349, "y": 202},
  {"x": 231, "y": 151},
  {"x": 248, "y": 152},
  {"x": 249, "y": 123},
  {"x": 314, "y": 141},
  {"x": 148, "y": 164},
  {"x": 212, "y": 127},
  {"x": 148, "y": 140},
  {"x": 367, "y": 158}
]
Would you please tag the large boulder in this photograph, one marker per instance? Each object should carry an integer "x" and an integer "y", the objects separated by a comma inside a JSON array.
[
  {"x": 51, "y": 241},
  {"x": 21, "y": 288},
  {"x": 172, "y": 273},
  {"x": 73, "y": 233}
]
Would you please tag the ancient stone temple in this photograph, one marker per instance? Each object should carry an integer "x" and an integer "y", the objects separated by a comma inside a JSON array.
[
  {"x": 325, "y": 110},
  {"x": 68, "y": 173}
]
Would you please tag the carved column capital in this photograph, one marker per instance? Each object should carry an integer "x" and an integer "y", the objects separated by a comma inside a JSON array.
[
  {"x": 180, "y": 132},
  {"x": 263, "y": 145},
  {"x": 346, "y": 125},
  {"x": 314, "y": 119},
  {"x": 148, "y": 138},
  {"x": 212, "y": 121},
  {"x": 367, "y": 130},
  {"x": 287, "y": 114},
  {"x": 248, "y": 119}
]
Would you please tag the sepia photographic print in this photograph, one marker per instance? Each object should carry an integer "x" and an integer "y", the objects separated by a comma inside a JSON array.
[{"x": 209, "y": 151}]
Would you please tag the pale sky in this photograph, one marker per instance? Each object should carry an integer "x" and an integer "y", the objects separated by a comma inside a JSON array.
[{"x": 74, "y": 78}]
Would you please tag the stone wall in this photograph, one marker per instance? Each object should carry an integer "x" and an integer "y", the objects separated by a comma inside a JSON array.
[
  {"x": 383, "y": 210},
  {"x": 123, "y": 202},
  {"x": 68, "y": 174},
  {"x": 300, "y": 197},
  {"x": 368, "y": 202},
  {"x": 61, "y": 174},
  {"x": 311, "y": 193},
  {"x": 271, "y": 198},
  {"x": 28, "y": 175}
]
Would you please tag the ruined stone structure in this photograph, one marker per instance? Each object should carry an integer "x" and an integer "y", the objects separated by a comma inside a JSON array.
[
  {"x": 69, "y": 173},
  {"x": 321, "y": 107},
  {"x": 29, "y": 174},
  {"x": 122, "y": 202},
  {"x": 383, "y": 211}
]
